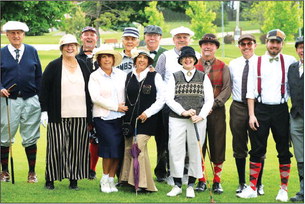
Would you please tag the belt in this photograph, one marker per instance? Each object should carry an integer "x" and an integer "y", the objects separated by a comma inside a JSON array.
[{"x": 239, "y": 102}]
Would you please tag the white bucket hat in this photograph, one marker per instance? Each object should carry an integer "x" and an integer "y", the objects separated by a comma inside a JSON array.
[
  {"x": 67, "y": 39},
  {"x": 106, "y": 49},
  {"x": 15, "y": 25}
]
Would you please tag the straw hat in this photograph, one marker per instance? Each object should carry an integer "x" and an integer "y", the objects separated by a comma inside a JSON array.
[
  {"x": 141, "y": 51},
  {"x": 67, "y": 39},
  {"x": 106, "y": 49}
]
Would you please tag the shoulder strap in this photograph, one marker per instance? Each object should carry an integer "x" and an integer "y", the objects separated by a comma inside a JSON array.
[{"x": 283, "y": 79}]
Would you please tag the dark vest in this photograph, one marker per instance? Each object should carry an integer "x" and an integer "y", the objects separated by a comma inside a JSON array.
[
  {"x": 215, "y": 75},
  {"x": 146, "y": 99},
  {"x": 160, "y": 51},
  {"x": 296, "y": 88},
  {"x": 189, "y": 94}
]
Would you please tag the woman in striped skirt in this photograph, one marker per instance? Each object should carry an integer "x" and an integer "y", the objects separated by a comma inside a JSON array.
[{"x": 66, "y": 108}]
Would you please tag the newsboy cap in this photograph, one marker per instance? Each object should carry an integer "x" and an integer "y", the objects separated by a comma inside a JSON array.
[
  {"x": 89, "y": 28},
  {"x": 153, "y": 29},
  {"x": 209, "y": 37},
  {"x": 276, "y": 34},
  {"x": 298, "y": 41},
  {"x": 246, "y": 36},
  {"x": 15, "y": 25},
  {"x": 180, "y": 30}
]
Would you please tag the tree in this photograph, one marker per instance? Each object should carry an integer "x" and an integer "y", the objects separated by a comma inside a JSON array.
[
  {"x": 38, "y": 15},
  {"x": 201, "y": 18},
  {"x": 76, "y": 22},
  {"x": 284, "y": 15},
  {"x": 154, "y": 16}
]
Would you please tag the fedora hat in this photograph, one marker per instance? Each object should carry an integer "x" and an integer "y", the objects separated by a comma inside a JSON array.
[
  {"x": 135, "y": 53},
  {"x": 187, "y": 51},
  {"x": 106, "y": 49},
  {"x": 209, "y": 37}
]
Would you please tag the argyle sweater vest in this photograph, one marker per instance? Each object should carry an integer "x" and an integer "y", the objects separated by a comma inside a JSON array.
[
  {"x": 189, "y": 94},
  {"x": 215, "y": 75}
]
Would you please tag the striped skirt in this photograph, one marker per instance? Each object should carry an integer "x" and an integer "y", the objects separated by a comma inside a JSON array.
[{"x": 67, "y": 150}]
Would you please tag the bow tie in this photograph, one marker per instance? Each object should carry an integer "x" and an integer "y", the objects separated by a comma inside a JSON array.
[
  {"x": 153, "y": 52},
  {"x": 273, "y": 58}
]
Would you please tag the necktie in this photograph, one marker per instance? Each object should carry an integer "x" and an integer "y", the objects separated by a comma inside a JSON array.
[
  {"x": 17, "y": 55},
  {"x": 244, "y": 82},
  {"x": 153, "y": 52},
  {"x": 207, "y": 66},
  {"x": 301, "y": 69},
  {"x": 273, "y": 58}
]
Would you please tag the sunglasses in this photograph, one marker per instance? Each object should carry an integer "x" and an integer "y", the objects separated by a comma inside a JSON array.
[{"x": 246, "y": 44}]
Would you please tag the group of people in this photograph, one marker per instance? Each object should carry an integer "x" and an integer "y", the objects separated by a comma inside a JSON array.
[{"x": 178, "y": 96}]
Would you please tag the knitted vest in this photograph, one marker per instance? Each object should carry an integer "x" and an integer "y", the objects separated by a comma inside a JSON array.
[
  {"x": 215, "y": 75},
  {"x": 189, "y": 94},
  {"x": 146, "y": 99}
]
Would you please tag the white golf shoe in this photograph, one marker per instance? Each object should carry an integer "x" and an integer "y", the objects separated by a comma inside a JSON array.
[
  {"x": 190, "y": 193},
  {"x": 282, "y": 195},
  {"x": 104, "y": 185},
  {"x": 175, "y": 191},
  {"x": 247, "y": 193}
]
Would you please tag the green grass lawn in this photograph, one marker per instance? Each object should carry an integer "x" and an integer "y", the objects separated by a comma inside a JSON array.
[{"x": 89, "y": 192}]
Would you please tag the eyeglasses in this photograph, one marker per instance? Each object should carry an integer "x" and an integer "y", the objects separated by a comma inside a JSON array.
[
  {"x": 209, "y": 38},
  {"x": 246, "y": 44}
]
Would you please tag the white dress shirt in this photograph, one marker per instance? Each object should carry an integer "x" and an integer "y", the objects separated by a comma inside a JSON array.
[
  {"x": 271, "y": 78},
  {"x": 236, "y": 67},
  {"x": 160, "y": 100},
  {"x": 107, "y": 92},
  {"x": 208, "y": 95},
  {"x": 12, "y": 49}
]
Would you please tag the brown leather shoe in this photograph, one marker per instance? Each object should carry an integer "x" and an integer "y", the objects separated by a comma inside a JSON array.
[
  {"x": 5, "y": 176},
  {"x": 32, "y": 178}
]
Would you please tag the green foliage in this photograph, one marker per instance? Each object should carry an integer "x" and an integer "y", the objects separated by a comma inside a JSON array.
[
  {"x": 285, "y": 15},
  {"x": 75, "y": 23},
  {"x": 154, "y": 16},
  {"x": 202, "y": 18},
  {"x": 38, "y": 15}
]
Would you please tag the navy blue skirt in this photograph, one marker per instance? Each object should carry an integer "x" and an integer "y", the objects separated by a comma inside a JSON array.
[{"x": 111, "y": 140}]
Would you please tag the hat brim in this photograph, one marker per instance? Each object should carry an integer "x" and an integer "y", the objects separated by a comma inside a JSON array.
[
  {"x": 216, "y": 42},
  {"x": 181, "y": 57},
  {"x": 117, "y": 56},
  {"x": 150, "y": 60}
]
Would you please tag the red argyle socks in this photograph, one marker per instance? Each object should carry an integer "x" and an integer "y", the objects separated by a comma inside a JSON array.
[
  {"x": 284, "y": 173},
  {"x": 255, "y": 168},
  {"x": 203, "y": 179},
  {"x": 217, "y": 172},
  {"x": 93, "y": 156}
]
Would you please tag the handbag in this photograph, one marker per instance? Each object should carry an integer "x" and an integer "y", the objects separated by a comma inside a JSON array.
[{"x": 127, "y": 128}]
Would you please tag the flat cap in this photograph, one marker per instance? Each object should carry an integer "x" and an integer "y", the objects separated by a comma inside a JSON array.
[
  {"x": 89, "y": 28},
  {"x": 276, "y": 34},
  {"x": 246, "y": 36},
  {"x": 181, "y": 29},
  {"x": 153, "y": 29},
  {"x": 131, "y": 31},
  {"x": 299, "y": 40},
  {"x": 15, "y": 25}
]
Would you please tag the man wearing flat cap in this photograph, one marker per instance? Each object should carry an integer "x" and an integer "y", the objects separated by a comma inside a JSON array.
[
  {"x": 296, "y": 90},
  {"x": 219, "y": 75},
  {"x": 152, "y": 37},
  {"x": 89, "y": 39},
  {"x": 167, "y": 64},
  {"x": 130, "y": 40},
  {"x": 239, "y": 118},
  {"x": 20, "y": 65},
  {"x": 267, "y": 103}
]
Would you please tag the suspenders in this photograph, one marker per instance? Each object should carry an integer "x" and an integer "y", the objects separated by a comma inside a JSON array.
[{"x": 259, "y": 79}]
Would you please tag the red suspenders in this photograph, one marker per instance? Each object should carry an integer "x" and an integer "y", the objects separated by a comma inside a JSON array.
[{"x": 259, "y": 79}]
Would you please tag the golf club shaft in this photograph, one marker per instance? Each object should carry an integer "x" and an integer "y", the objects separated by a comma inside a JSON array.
[
  {"x": 10, "y": 138},
  {"x": 203, "y": 163}
]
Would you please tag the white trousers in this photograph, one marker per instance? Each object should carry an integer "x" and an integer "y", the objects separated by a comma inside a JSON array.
[{"x": 182, "y": 133}]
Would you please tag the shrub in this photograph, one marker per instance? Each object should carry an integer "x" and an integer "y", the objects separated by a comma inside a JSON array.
[
  {"x": 228, "y": 39},
  {"x": 263, "y": 38}
]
